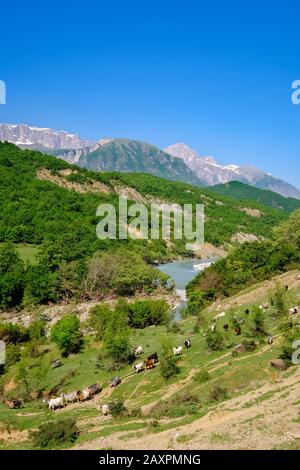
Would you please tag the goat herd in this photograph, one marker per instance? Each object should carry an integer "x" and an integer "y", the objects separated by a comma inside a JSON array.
[
  {"x": 149, "y": 363},
  {"x": 89, "y": 392}
]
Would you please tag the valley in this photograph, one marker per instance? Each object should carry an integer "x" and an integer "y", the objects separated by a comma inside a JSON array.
[
  {"x": 74, "y": 311},
  {"x": 149, "y": 234}
]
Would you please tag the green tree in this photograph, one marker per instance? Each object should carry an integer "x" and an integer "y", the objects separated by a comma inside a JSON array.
[
  {"x": 67, "y": 335},
  {"x": 11, "y": 277},
  {"x": 37, "y": 329},
  {"x": 41, "y": 285},
  {"x": 168, "y": 362},
  {"x": 279, "y": 301},
  {"x": 288, "y": 232},
  {"x": 257, "y": 321},
  {"x": 12, "y": 354},
  {"x": 117, "y": 345},
  {"x": 215, "y": 340},
  {"x": 143, "y": 313},
  {"x": 196, "y": 302},
  {"x": 99, "y": 318},
  {"x": 117, "y": 334}
]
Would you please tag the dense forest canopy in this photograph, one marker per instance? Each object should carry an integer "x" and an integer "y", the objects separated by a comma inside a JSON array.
[
  {"x": 244, "y": 192},
  {"x": 247, "y": 264}
]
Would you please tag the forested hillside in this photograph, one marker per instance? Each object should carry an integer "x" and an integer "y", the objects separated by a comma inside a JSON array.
[
  {"x": 51, "y": 205},
  {"x": 244, "y": 192},
  {"x": 48, "y": 207},
  {"x": 248, "y": 264}
]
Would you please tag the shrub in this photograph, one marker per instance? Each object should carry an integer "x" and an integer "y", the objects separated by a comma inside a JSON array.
[
  {"x": 67, "y": 335},
  {"x": 196, "y": 303},
  {"x": 32, "y": 349},
  {"x": 202, "y": 376},
  {"x": 217, "y": 393},
  {"x": 37, "y": 329},
  {"x": 118, "y": 409},
  {"x": 12, "y": 354},
  {"x": 290, "y": 334},
  {"x": 54, "y": 434},
  {"x": 257, "y": 321},
  {"x": 215, "y": 340},
  {"x": 99, "y": 319},
  {"x": 182, "y": 404},
  {"x": 168, "y": 362},
  {"x": 279, "y": 301},
  {"x": 249, "y": 344},
  {"x": 13, "y": 333}
]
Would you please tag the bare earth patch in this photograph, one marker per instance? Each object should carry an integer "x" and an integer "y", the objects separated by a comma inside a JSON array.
[
  {"x": 241, "y": 237},
  {"x": 92, "y": 186},
  {"x": 252, "y": 212}
]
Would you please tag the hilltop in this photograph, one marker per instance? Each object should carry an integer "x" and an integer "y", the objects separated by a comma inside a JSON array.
[
  {"x": 244, "y": 192},
  {"x": 124, "y": 155}
]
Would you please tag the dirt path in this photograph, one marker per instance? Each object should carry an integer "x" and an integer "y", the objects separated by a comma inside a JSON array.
[
  {"x": 258, "y": 419},
  {"x": 172, "y": 389}
]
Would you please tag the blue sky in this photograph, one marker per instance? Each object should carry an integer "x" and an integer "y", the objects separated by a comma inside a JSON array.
[{"x": 216, "y": 75}]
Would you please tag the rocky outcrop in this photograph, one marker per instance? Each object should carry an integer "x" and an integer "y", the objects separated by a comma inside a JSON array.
[
  {"x": 41, "y": 138},
  {"x": 279, "y": 364}
]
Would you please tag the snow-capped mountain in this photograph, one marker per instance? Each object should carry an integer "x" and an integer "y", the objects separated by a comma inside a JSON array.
[
  {"x": 41, "y": 138},
  {"x": 75, "y": 154},
  {"x": 209, "y": 170},
  {"x": 193, "y": 167}
]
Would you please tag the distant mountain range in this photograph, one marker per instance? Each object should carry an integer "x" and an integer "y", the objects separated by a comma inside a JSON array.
[
  {"x": 125, "y": 155},
  {"x": 209, "y": 170},
  {"x": 37, "y": 138},
  {"x": 177, "y": 162}
]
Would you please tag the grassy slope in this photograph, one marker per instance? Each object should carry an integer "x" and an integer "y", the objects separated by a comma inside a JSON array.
[
  {"x": 239, "y": 376},
  {"x": 27, "y": 252}
]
